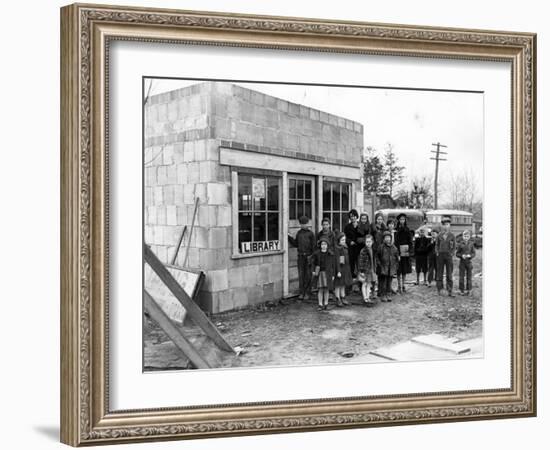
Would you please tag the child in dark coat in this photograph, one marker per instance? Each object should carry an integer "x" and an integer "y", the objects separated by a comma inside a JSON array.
[
  {"x": 432, "y": 257},
  {"x": 305, "y": 242},
  {"x": 403, "y": 242},
  {"x": 343, "y": 277},
  {"x": 377, "y": 230},
  {"x": 367, "y": 270},
  {"x": 465, "y": 253},
  {"x": 387, "y": 260},
  {"x": 324, "y": 272},
  {"x": 421, "y": 248},
  {"x": 353, "y": 239}
]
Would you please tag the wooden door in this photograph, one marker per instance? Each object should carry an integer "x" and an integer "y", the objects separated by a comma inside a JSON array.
[{"x": 301, "y": 202}]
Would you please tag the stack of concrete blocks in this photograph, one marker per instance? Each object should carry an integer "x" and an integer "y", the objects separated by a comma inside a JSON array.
[{"x": 184, "y": 130}]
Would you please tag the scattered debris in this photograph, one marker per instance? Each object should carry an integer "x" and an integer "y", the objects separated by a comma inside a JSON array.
[
  {"x": 246, "y": 333},
  {"x": 255, "y": 344},
  {"x": 346, "y": 354},
  {"x": 239, "y": 350}
]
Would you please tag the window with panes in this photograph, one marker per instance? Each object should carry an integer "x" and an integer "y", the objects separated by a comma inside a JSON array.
[
  {"x": 258, "y": 208},
  {"x": 336, "y": 203}
]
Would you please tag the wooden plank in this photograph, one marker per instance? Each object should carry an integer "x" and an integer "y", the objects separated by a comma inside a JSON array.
[
  {"x": 173, "y": 332},
  {"x": 175, "y": 257},
  {"x": 194, "y": 312},
  {"x": 191, "y": 232}
]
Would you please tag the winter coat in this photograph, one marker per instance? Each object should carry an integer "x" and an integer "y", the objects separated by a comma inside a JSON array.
[
  {"x": 422, "y": 245},
  {"x": 377, "y": 233},
  {"x": 330, "y": 237},
  {"x": 364, "y": 229},
  {"x": 387, "y": 259},
  {"x": 466, "y": 248},
  {"x": 445, "y": 244},
  {"x": 341, "y": 253},
  {"x": 304, "y": 241},
  {"x": 327, "y": 258},
  {"x": 367, "y": 263},
  {"x": 403, "y": 236},
  {"x": 353, "y": 234}
]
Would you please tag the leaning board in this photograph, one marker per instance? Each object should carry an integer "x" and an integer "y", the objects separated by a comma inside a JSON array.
[{"x": 189, "y": 280}]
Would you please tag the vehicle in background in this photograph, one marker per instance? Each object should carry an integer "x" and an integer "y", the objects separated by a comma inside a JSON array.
[
  {"x": 460, "y": 220},
  {"x": 415, "y": 217},
  {"x": 478, "y": 238}
]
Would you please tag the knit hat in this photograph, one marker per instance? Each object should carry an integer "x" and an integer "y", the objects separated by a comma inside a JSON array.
[
  {"x": 446, "y": 219},
  {"x": 304, "y": 220},
  {"x": 340, "y": 236},
  {"x": 323, "y": 239},
  {"x": 386, "y": 233},
  {"x": 401, "y": 215}
]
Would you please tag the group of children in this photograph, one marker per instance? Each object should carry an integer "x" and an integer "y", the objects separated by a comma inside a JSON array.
[{"x": 373, "y": 255}]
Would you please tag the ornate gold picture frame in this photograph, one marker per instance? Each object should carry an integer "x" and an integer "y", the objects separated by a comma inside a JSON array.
[{"x": 86, "y": 34}]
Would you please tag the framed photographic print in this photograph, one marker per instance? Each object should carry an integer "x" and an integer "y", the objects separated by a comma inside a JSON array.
[{"x": 276, "y": 224}]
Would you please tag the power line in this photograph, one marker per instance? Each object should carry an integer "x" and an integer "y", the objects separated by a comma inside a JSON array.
[{"x": 437, "y": 158}]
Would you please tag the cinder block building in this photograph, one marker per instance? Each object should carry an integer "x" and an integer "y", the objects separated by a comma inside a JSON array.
[{"x": 256, "y": 163}]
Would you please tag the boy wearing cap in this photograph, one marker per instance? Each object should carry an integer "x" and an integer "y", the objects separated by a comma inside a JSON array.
[
  {"x": 305, "y": 243},
  {"x": 465, "y": 252},
  {"x": 445, "y": 248}
]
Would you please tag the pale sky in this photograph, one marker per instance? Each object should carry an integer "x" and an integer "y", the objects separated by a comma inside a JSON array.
[{"x": 410, "y": 119}]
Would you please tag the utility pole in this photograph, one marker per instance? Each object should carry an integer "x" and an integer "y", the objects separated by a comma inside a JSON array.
[{"x": 437, "y": 158}]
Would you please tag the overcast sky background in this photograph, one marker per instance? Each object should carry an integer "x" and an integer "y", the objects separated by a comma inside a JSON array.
[{"x": 411, "y": 120}]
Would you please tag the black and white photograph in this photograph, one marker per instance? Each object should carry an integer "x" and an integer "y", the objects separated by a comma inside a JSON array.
[{"x": 291, "y": 224}]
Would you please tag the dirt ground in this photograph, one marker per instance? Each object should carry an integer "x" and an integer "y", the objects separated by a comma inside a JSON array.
[{"x": 297, "y": 334}]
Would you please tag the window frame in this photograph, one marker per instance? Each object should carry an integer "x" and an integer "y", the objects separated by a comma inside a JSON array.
[
  {"x": 235, "y": 210},
  {"x": 330, "y": 211}
]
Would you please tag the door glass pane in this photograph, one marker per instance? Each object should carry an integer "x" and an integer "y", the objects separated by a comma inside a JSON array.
[
  {"x": 307, "y": 208},
  {"x": 345, "y": 197},
  {"x": 245, "y": 192},
  {"x": 259, "y": 227},
  {"x": 300, "y": 190},
  {"x": 292, "y": 210},
  {"x": 307, "y": 192},
  {"x": 299, "y": 208},
  {"x": 326, "y": 196},
  {"x": 273, "y": 194},
  {"x": 273, "y": 226},
  {"x": 335, "y": 197},
  {"x": 245, "y": 227},
  {"x": 291, "y": 189}
]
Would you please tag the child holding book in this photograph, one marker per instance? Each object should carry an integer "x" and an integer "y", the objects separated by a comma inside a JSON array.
[
  {"x": 324, "y": 272},
  {"x": 343, "y": 277},
  {"x": 367, "y": 270},
  {"x": 465, "y": 253}
]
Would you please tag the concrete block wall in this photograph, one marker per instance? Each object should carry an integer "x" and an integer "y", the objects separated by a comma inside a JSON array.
[
  {"x": 183, "y": 133},
  {"x": 244, "y": 115}
]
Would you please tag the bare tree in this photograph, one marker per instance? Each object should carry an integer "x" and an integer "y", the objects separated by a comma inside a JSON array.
[
  {"x": 462, "y": 191},
  {"x": 416, "y": 193}
]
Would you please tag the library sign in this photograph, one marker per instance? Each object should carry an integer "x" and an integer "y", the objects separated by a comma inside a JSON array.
[{"x": 260, "y": 246}]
